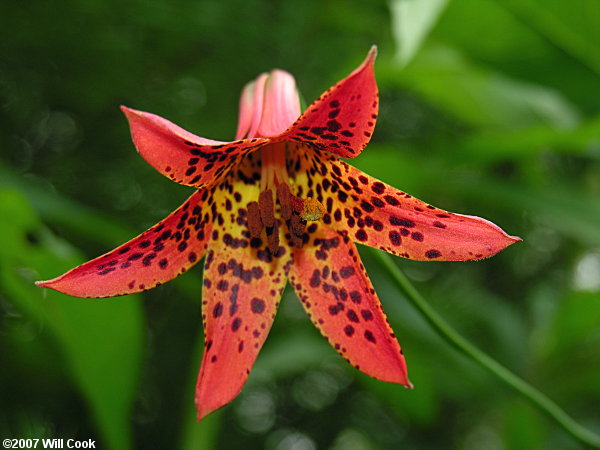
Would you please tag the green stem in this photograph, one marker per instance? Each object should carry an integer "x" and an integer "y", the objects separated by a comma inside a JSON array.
[{"x": 461, "y": 344}]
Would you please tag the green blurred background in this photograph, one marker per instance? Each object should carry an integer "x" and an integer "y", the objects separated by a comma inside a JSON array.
[{"x": 488, "y": 108}]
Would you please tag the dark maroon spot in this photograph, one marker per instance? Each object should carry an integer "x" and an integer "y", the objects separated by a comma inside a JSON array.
[
  {"x": 222, "y": 285},
  {"x": 349, "y": 330},
  {"x": 378, "y": 187},
  {"x": 334, "y": 104},
  {"x": 366, "y": 314},
  {"x": 361, "y": 235},
  {"x": 148, "y": 259},
  {"x": 347, "y": 271},
  {"x": 135, "y": 256},
  {"x": 192, "y": 257},
  {"x": 163, "y": 263},
  {"x": 401, "y": 222},
  {"x": 369, "y": 337},
  {"x": 391, "y": 200},
  {"x": 333, "y": 125},
  {"x": 417, "y": 236},
  {"x": 257, "y": 272},
  {"x": 352, "y": 316},
  {"x": 235, "y": 325},
  {"x": 355, "y": 296},
  {"x": 334, "y": 309},
  {"x": 105, "y": 271},
  {"x": 124, "y": 250},
  {"x": 377, "y": 202},
  {"x": 315, "y": 280},
  {"x": 257, "y": 305},
  {"x": 218, "y": 310},
  {"x": 432, "y": 254},
  {"x": 240, "y": 346},
  {"x": 395, "y": 238},
  {"x": 366, "y": 206},
  {"x": 439, "y": 224}
]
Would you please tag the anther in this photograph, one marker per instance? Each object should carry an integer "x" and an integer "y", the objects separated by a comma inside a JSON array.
[
  {"x": 273, "y": 239},
  {"x": 265, "y": 203},
  {"x": 284, "y": 197},
  {"x": 254, "y": 224}
]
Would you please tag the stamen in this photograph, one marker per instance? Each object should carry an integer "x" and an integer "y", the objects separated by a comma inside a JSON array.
[
  {"x": 267, "y": 211},
  {"x": 297, "y": 225},
  {"x": 284, "y": 195},
  {"x": 254, "y": 224},
  {"x": 273, "y": 239}
]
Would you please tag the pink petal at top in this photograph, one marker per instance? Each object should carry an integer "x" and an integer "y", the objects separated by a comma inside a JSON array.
[
  {"x": 281, "y": 104},
  {"x": 251, "y": 107}
]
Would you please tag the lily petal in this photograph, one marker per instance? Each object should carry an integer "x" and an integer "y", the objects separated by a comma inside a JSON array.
[
  {"x": 281, "y": 105},
  {"x": 251, "y": 107},
  {"x": 341, "y": 120},
  {"x": 338, "y": 296},
  {"x": 380, "y": 216},
  {"x": 156, "y": 256},
  {"x": 182, "y": 156},
  {"x": 243, "y": 283}
]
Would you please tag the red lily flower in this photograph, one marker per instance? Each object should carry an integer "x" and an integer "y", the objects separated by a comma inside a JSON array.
[{"x": 278, "y": 204}]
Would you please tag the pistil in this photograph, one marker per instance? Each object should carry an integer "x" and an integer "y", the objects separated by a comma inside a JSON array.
[{"x": 274, "y": 169}]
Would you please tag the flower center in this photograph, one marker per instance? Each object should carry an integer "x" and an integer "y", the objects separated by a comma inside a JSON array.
[{"x": 294, "y": 211}]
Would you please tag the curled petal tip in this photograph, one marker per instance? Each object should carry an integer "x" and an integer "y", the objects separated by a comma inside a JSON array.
[
  {"x": 409, "y": 385},
  {"x": 372, "y": 53},
  {"x": 45, "y": 283},
  {"x": 126, "y": 110}
]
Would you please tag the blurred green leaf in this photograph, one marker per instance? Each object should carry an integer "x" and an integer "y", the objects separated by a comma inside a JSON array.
[
  {"x": 411, "y": 22},
  {"x": 477, "y": 95},
  {"x": 524, "y": 429},
  {"x": 572, "y": 26},
  {"x": 490, "y": 146},
  {"x": 52, "y": 207},
  {"x": 101, "y": 339},
  {"x": 575, "y": 326}
]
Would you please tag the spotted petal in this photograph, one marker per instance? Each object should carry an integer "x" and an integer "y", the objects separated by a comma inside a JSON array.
[
  {"x": 158, "y": 255},
  {"x": 378, "y": 215},
  {"x": 243, "y": 283},
  {"x": 337, "y": 294},
  {"x": 182, "y": 156},
  {"x": 341, "y": 120}
]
